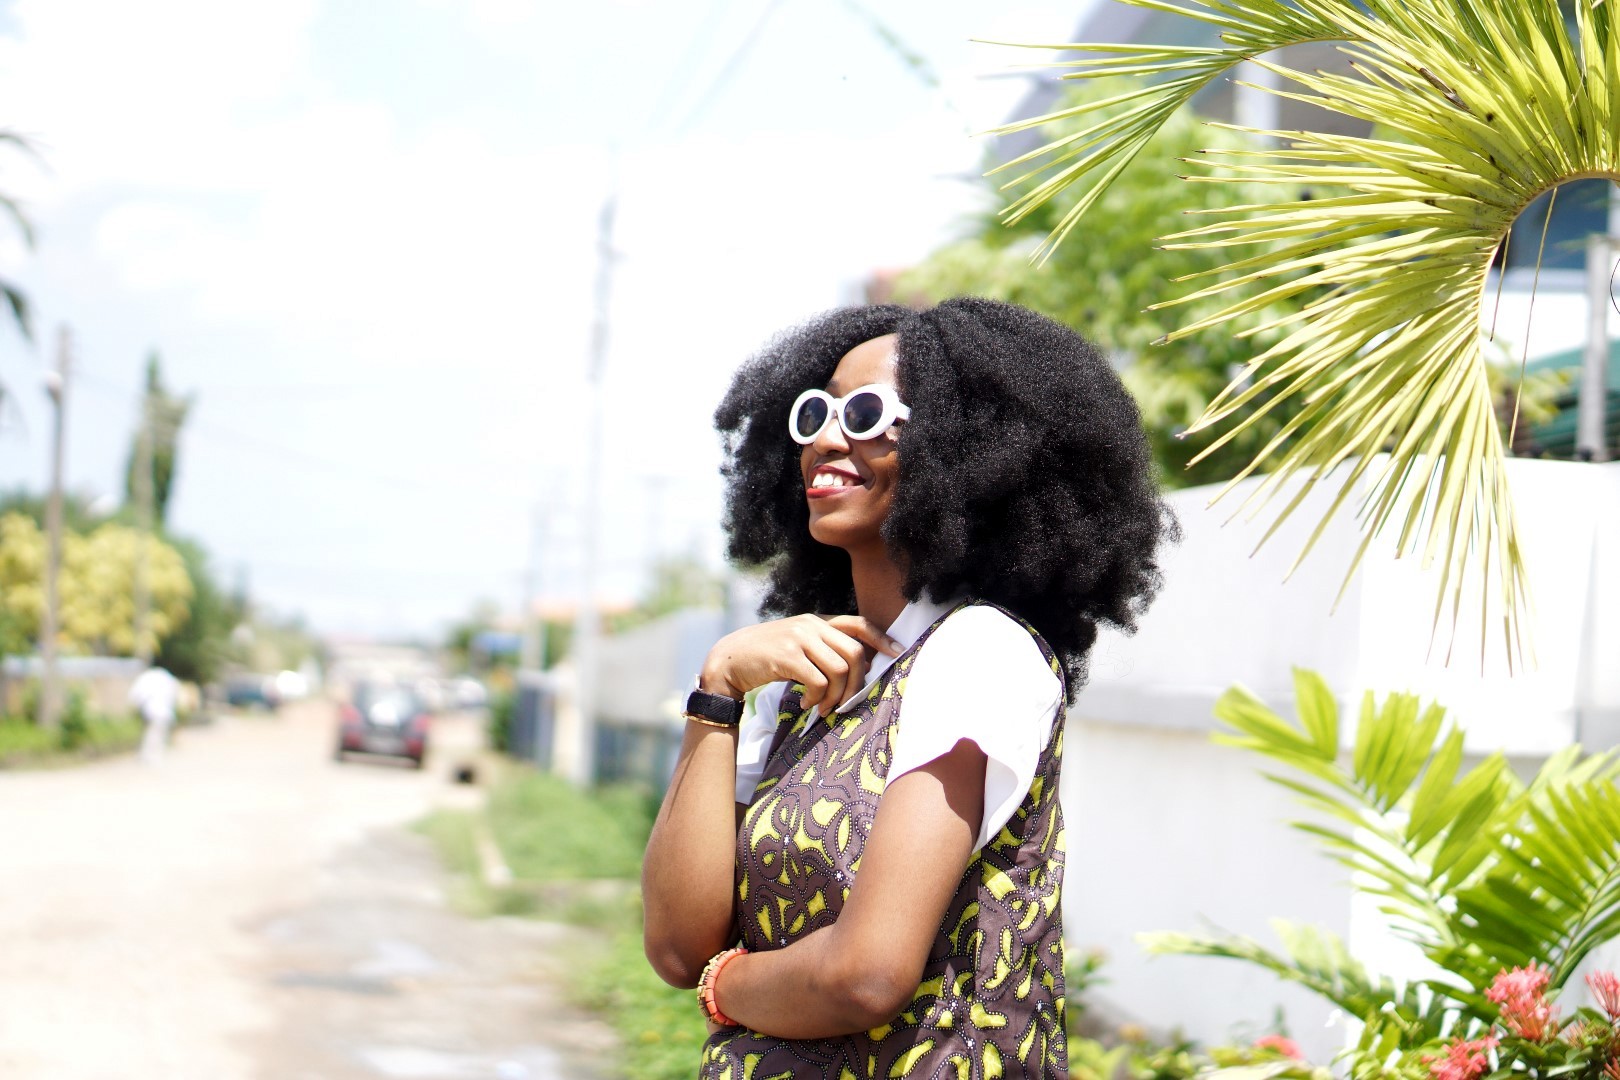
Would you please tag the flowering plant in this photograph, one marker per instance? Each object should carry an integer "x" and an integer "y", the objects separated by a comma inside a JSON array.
[{"x": 1529, "y": 1039}]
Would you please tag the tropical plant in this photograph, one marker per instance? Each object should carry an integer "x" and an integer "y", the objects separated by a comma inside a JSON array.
[
  {"x": 1481, "y": 107},
  {"x": 1481, "y": 870}
]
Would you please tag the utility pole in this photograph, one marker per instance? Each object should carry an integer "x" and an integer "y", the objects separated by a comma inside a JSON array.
[
  {"x": 1591, "y": 411},
  {"x": 587, "y": 620},
  {"x": 56, "y": 385},
  {"x": 142, "y": 484}
]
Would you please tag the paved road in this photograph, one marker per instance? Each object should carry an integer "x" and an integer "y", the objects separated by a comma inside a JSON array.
[{"x": 251, "y": 909}]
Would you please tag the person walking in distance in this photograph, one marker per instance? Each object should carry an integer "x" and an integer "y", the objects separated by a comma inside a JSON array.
[{"x": 154, "y": 694}]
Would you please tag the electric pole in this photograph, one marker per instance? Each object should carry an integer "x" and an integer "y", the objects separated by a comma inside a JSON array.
[
  {"x": 56, "y": 385},
  {"x": 587, "y": 620}
]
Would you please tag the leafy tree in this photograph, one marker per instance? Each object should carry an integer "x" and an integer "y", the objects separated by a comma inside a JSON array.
[
  {"x": 1107, "y": 287},
  {"x": 1482, "y": 107},
  {"x": 162, "y": 414},
  {"x": 201, "y": 646},
  {"x": 95, "y": 586}
]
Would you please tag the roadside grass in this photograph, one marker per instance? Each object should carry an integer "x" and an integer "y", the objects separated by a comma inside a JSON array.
[
  {"x": 575, "y": 857},
  {"x": 24, "y": 744}
]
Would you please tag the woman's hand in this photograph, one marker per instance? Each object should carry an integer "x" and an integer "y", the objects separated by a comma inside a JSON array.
[{"x": 829, "y": 655}]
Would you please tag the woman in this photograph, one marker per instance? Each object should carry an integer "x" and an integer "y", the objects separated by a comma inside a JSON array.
[{"x": 950, "y": 502}]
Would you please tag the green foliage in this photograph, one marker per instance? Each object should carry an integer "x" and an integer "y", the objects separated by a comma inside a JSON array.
[
  {"x": 661, "y": 1031},
  {"x": 1390, "y": 238},
  {"x": 502, "y": 711},
  {"x": 201, "y": 647},
  {"x": 1109, "y": 287},
  {"x": 550, "y": 830},
  {"x": 163, "y": 414},
  {"x": 1479, "y": 869},
  {"x": 81, "y": 732}
]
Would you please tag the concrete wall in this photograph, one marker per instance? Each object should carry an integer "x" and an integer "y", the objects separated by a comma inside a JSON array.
[{"x": 1167, "y": 831}]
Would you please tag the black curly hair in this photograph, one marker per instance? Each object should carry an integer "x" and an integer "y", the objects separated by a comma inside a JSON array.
[{"x": 1024, "y": 479}]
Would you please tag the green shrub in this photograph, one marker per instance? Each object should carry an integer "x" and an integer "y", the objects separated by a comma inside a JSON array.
[
  {"x": 502, "y": 707},
  {"x": 550, "y": 830},
  {"x": 659, "y": 1027}
]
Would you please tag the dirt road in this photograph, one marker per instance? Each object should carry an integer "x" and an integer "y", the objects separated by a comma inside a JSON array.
[{"x": 251, "y": 909}]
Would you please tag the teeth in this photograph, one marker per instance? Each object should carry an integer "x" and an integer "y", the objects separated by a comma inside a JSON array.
[{"x": 830, "y": 479}]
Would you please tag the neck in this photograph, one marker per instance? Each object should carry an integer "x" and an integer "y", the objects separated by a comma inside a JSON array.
[{"x": 878, "y": 586}]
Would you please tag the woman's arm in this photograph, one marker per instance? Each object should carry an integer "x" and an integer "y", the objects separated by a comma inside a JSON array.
[
  {"x": 861, "y": 971},
  {"x": 686, "y": 881}
]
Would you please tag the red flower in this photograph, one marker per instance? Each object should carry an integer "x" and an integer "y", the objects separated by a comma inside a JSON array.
[
  {"x": 1525, "y": 1010},
  {"x": 1464, "y": 1059},
  {"x": 1612, "y": 1069},
  {"x": 1282, "y": 1044},
  {"x": 1606, "y": 988}
]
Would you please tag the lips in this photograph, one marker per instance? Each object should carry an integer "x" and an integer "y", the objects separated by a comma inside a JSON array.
[{"x": 828, "y": 480}]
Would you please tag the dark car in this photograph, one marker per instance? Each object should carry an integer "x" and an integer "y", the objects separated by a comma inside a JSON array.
[
  {"x": 383, "y": 719},
  {"x": 249, "y": 691}
]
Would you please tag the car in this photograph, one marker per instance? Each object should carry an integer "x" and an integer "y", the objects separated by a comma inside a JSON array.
[
  {"x": 386, "y": 720},
  {"x": 252, "y": 691}
]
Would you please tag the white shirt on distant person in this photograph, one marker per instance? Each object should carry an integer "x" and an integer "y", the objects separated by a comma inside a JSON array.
[{"x": 979, "y": 677}]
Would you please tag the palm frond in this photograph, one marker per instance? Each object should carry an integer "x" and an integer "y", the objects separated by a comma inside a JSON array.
[{"x": 1486, "y": 106}]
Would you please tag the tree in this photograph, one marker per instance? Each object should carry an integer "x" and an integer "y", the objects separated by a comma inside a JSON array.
[
  {"x": 1108, "y": 287},
  {"x": 162, "y": 416},
  {"x": 1482, "y": 107},
  {"x": 200, "y": 647},
  {"x": 96, "y": 587}
]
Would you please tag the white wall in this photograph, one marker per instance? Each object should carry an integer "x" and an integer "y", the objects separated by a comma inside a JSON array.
[{"x": 1167, "y": 830}]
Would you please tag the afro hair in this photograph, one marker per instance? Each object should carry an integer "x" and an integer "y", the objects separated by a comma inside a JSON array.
[{"x": 1025, "y": 477}]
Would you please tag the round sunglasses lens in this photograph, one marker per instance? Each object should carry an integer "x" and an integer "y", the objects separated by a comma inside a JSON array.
[
  {"x": 810, "y": 418},
  {"x": 863, "y": 413}
]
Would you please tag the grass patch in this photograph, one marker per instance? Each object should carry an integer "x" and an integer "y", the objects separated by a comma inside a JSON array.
[
  {"x": 660, "y": 1029},
  {"x": 549, "y": 830},
  {"x": 24, "y": 743},
  {"x": 575, "y": 857}
]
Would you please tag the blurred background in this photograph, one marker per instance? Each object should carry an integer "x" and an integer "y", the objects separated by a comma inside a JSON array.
[{"x": 357, "y": 372}]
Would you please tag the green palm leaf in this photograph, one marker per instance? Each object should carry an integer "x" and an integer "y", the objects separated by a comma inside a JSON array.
[
  {"x": 1479, "y": 869},
  {"x": 1486, "y": 106}
]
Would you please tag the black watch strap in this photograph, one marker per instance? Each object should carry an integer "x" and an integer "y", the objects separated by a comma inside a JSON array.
[{"x": 715, "y": 708}]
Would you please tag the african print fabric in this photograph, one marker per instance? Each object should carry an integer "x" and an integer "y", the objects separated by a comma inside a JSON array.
[{"x": 991, "y": 999}]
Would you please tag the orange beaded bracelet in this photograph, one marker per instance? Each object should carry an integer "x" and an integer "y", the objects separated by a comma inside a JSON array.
[{"x": 705, "y": 986}]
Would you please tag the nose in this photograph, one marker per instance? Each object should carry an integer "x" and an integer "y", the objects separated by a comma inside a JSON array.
[{"x": 831, "y": 439}]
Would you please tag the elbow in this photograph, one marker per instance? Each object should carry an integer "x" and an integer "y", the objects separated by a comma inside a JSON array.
[
  {"x": 874, "y": 993},
  {"x": 676, "y": 966}
]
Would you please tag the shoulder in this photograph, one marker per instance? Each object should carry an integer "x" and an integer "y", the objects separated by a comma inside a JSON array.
[{"x": 979, "y": 641}]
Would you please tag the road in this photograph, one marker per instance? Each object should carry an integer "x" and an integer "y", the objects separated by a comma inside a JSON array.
[{"x": 251, "y": 909}]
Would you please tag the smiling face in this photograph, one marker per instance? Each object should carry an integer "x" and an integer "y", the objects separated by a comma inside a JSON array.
[{"x": 850, "y": 483}]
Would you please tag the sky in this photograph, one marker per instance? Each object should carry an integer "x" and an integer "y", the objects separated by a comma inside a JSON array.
[{"x": 363, "y": 235}]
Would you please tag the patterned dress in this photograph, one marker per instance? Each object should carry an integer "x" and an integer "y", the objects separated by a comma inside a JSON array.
[{"x": 991, "y": 999}]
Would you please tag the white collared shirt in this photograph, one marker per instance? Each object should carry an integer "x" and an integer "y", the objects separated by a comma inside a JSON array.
[{"x": 980, "y": 677}]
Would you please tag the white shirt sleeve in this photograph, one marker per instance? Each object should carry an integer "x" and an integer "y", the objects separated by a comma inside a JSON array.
[
  {"x": 981, "y": 677},
  {"x": 754, "y": 736}
]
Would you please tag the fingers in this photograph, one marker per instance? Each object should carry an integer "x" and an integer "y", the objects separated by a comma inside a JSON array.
[
  {"x": 831, "y": 676},
  {"x": 866, "y": 632}
]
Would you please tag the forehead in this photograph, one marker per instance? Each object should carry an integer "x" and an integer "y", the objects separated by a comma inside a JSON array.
[{"x": 869, "y": 362}]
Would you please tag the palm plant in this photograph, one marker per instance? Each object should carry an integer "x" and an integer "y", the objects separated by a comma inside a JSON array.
[
  {"x": 1480, "y": 870},
  {"x": 1481, "y": 106}
]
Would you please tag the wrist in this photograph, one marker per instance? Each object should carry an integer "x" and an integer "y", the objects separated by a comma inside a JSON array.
[
  {"x": 706, "y": 987},
  {"x": 711, "y": 681}
]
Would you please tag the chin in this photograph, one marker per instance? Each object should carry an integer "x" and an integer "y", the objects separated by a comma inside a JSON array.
[{"x": 843, "y": 534}]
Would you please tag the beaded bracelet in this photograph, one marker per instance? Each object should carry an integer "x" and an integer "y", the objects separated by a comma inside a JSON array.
[{"x": 705, "y": 986}]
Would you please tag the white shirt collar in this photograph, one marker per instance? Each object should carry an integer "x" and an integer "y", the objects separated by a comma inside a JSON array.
[{"x": 913, "y": 619}]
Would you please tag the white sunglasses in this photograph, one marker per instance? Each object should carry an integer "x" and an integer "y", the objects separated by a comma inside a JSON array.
[{"x": 864, "y": 413}]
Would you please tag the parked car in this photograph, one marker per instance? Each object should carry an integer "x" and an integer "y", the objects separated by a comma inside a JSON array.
[
  {"x": 383, "y": 719},
  {"x": 252, "y": 691}
]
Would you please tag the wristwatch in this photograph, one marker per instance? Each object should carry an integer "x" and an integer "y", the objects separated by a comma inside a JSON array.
[{"x": 715, "y": 710}]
